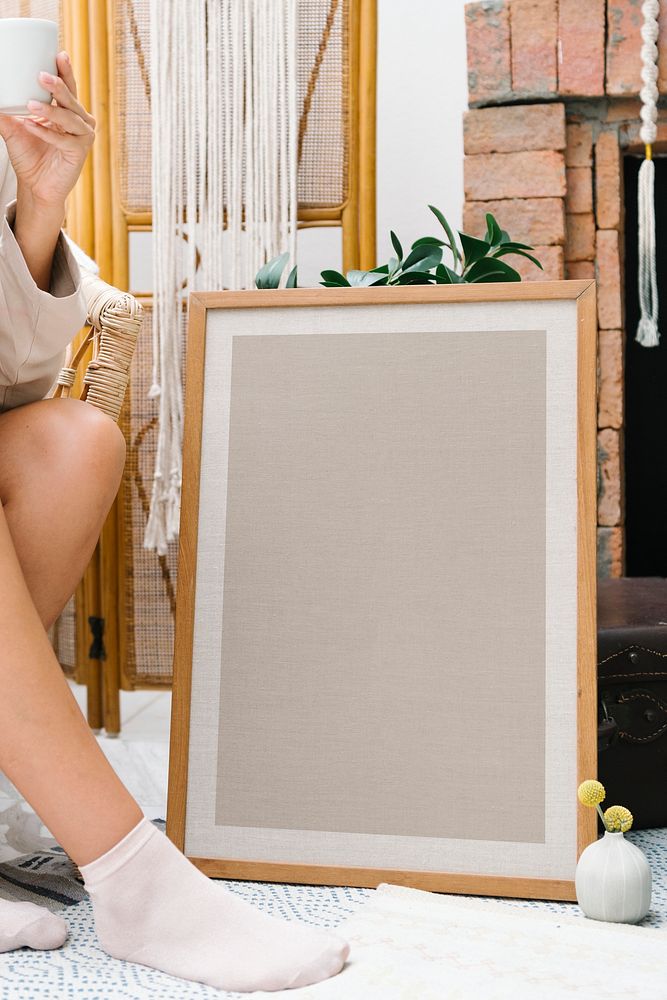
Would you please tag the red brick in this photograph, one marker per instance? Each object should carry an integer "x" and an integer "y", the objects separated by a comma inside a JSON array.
[
  {"x": 610, "y": 553},
  {"x": 528, "y": 220},
  {"x": 581, "y": 40},
  {"x": 610, "y": 395},
  {"x": 534, "y": 29},
  {"x": 580, "y": 270},
  {"x": 580, "y": 242},
  {"x": 608, "y": 181},
  {"x": 488, "y": 42},
  {"x": 534, "y": 174},
  {"x": 579, "y": 148},
  {"x": 608, "y": 273},
  {"x": 624, "y": 22},
  {"x": 551, "y": 259},
  {"x": 579, "y": 197},
  {"x": 610, "y": 490},
  {"x": 623, "y": 109},
  {"x": 515, "y": 128}
]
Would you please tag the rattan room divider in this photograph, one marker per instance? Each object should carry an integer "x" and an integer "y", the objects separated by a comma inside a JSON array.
[{"x": 121, "y": 627}]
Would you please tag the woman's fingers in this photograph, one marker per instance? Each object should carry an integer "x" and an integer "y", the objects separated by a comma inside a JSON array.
[
  {"x": 66, "y": 71},
  {"x": 64, "y": 97},
  {"x": 67, "y": 121},
  {"x": 53, "y": 136}
]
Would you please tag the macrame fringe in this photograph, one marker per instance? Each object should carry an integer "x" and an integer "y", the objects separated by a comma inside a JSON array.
[
  {"x": 647, "y": 329},
  {"x": 648, "y": 334},
  {"x": 224, "y": 137}
]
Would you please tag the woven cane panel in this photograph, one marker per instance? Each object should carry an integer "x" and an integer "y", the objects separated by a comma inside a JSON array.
[
  {"x": 323, "y": 95},
  {"x": 132, "y": 107},
  {"x": 63, "y": 638},
  {"x": 50, "y": 9},
  {"x": 150, "y": 580},
  {"x": 323, "y": 87}
]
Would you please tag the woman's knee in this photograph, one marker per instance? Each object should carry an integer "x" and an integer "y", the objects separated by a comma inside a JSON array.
[{"x": 74, "y": 437}]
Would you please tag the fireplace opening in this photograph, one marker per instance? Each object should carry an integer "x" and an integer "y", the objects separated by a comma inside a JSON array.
[{"x": 645, "y": 395}]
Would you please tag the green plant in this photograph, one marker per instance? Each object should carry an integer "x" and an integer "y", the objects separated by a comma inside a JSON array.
[{"x": 473, "y": 261}]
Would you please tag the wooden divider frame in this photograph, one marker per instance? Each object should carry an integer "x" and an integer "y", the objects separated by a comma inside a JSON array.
[{"x": 583, "y": 293}]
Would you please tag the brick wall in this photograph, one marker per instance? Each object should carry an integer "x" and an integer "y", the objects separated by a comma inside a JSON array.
[{"x": 554, "y": 106}]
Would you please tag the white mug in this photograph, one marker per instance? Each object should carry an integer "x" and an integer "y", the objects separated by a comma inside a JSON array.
[{"x": 28, "y": 46}]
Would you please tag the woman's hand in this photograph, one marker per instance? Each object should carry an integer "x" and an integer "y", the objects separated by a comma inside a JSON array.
[{"x": 48, "y": 150}]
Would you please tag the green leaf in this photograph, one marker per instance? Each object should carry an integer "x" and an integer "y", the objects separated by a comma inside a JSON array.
[
  {"x": 428, "y": 240},
  {"x": 396, "y": 243},
  {"x": 520, "y": 253},
  {"x": 504, "y": 236},
  {"x": 423, "y": 257},
  {"x": 493, "y": 231},
  {"x": 448, "y": 229},
  {"x": 473, "y": 249},
  {"x": 413, "y": 277},
  {"x": 382, "y": 269},
  {"x": 334, "y": 278},
  {"x": 511, "y": 245},
  {"x": 361, "y": 279},
  {"x": 446, "y": 276},
  {"x": 269, "y": 276},
  {"x": 491, "y": 269},
  {"x": 291, "y": 279}
]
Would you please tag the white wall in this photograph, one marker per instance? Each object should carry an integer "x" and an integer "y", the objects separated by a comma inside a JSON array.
[{"x": 422, "y": 94}]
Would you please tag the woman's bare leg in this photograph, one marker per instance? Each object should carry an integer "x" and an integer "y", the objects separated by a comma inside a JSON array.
[{"x": 60, "y": 464}]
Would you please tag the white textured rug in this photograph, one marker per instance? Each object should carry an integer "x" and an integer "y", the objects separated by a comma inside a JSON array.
[
  {"x": 411, "y": 945},
  {"x": 406, "y": 945}
]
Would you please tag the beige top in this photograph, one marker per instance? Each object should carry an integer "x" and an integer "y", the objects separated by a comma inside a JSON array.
[{"x": 35, "y": 326}]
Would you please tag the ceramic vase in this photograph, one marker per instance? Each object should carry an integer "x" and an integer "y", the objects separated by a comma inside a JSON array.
[{"x": 613, "y": 881}]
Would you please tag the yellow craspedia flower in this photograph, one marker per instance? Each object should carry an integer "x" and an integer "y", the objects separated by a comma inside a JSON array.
[
  {"x": 591, "y": 793},
  {"x": 618, "y": 819}
]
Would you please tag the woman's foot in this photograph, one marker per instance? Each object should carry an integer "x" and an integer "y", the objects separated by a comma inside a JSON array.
[
  {"x": 152, "y": 906},
  {"x": 27, "y": 925}
]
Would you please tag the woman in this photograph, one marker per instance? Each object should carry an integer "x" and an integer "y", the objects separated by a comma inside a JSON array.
[{"x": 60, "y": 465}]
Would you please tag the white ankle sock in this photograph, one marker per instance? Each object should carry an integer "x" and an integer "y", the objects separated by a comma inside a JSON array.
[
  {"x": 25, "y": 924},
  {"x": 152, "y": 906}
]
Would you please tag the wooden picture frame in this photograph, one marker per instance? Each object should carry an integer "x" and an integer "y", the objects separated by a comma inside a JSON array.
[{"x": 475, "y": 407}]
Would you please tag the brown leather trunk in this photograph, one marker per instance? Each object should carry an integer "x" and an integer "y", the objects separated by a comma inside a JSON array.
[{"x": 632, "y": 688}]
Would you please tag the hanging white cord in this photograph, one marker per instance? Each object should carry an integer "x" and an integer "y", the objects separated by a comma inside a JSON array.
[
  {"x": 224, "y": 183},
  {"x": 648, "y": 334}
]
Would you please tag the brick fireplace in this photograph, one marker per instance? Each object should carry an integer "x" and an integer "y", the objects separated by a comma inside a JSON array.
[{"x": 554, "y": 110}]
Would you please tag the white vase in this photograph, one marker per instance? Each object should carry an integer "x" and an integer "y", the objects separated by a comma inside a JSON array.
[{"x": 613, "y": 881}]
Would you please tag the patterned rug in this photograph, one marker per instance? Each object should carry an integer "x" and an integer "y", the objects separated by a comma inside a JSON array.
[{"x": 81, "y": 970}]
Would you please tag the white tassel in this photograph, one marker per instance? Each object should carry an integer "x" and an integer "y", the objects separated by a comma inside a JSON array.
[
  {"x": 647, "y": 330},
  {"x": 225, "y": 123},
  {"x": 648, "y": 334}
]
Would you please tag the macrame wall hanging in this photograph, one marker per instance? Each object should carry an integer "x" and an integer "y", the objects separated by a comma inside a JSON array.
[
  {"x": 647, "y": 331},
  {"x": 225, "y": 124}
]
